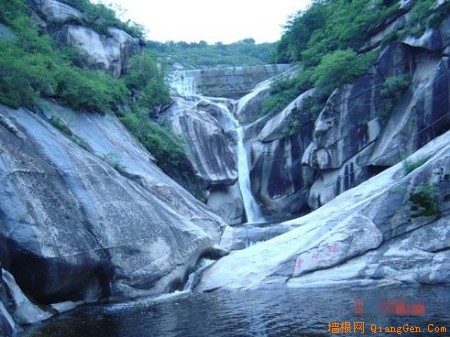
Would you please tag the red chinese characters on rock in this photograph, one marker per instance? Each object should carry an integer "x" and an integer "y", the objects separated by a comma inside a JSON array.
[{"x": 308, "y": 258}]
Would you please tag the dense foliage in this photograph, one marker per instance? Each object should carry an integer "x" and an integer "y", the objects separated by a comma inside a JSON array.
[
  {"x": 340, "y": 67},
  {"x": 200, "y": 55},
  {"x": 391, "y": 92},
  {"x": 331, "y": 25},
  {"x": 34, "y": 66},
  {"x": 329, "y": 40},
  {"x": 145, "y": 80}
]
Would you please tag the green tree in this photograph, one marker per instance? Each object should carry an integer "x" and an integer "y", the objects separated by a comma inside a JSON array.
[
  {"x": 338, "y": 68},
  {"x": 146, "y": 81},
  {"x": 298, "y": 31}
]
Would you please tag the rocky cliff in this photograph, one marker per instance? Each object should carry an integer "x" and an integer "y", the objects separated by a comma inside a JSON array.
[
  {"x": 391, "y": 230},
  {"x": 363, "y": 127},
  {"x": 109, "y": 52},
  {"x": 86, "y": 214},
  {"x": 320, "y": 146}
]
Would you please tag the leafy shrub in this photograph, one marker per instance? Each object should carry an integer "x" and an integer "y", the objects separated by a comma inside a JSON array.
[
  {"x": 146, "y": 82},
  {"x": 424, "y": 200},
  {"x": 338, "y": 68},
  {"x": 61, "y": 126},
  {"x": 115, "y": 161},
  {"x": 284, "y": 90},
  {"x": 89, "y": 90},
  {"x": 298, "y": 118},
  {"x": 391, "y": 91},
  {"x": 293, "y": 123}
]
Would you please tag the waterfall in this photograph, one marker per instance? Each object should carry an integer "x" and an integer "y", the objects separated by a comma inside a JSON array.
[
  {"x": 251, "y": 207},
  {"x": 183, "y": 83}
]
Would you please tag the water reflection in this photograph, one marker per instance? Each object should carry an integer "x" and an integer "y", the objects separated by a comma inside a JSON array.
[{"x": 261, "y": 313}]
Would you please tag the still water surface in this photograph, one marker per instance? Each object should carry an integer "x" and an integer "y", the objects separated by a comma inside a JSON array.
[{"x": 278, "y": 312}]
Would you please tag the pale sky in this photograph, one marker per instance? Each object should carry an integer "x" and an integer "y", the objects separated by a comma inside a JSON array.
[{"x": 211, "y": 20}]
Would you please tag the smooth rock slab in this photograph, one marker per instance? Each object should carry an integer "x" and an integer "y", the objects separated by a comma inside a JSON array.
[
  {"x": 372, "y": 235},
  {"x": 74, "y": 228}
]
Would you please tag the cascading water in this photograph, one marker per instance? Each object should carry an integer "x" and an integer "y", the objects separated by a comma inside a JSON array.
[
  {"x": 251, "y": 207},
  {"x": 252, "y": 210},
  {"x": 183, "y": 85}
]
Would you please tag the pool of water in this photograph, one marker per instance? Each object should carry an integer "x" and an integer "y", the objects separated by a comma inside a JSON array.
[{"x": 270, "y": 312}]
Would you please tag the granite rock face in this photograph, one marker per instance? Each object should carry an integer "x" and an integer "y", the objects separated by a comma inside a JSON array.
[
  {"x": 318, "y": 146},
  {"x": 206, "y": 126},
  {"x": 360, "y": 131},
  {"x": 85, "y": 214},
  {"x": 278, "y": 178},
  {"x": 203, "y": 125},
  {"x": 390, "y": 230},
  {"x": 109, "y": 52},
  {"x": 56, "y": 12}
]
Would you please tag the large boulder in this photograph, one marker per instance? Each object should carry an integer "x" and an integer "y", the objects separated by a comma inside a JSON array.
[
  {"x": 390, "y": 230},
  {"x": 56, "y": 12},
  {"x": 208, "y": 127},
  {"x": 203, "y": 124},
  {"x": 86, "y": 214},
  {"x": 226, "y": 201},
  {"x": 109, "y": 53}
]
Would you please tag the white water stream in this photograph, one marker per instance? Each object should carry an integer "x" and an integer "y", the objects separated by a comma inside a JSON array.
[
  {"x": 183, "y": 84},
  {"x": 252, "y": 210}
]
